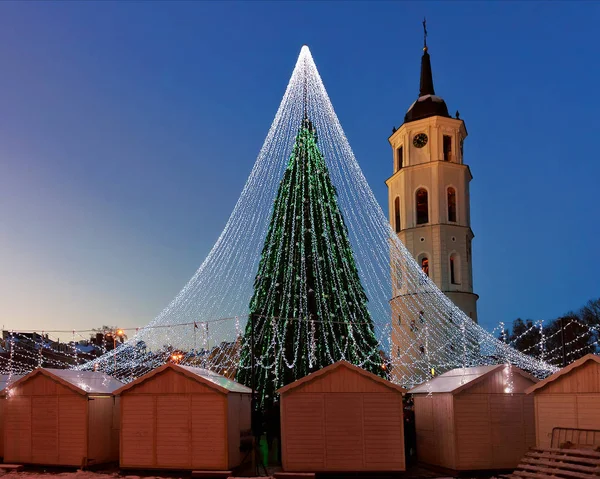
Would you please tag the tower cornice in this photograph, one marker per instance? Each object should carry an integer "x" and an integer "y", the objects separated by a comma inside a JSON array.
[
  {"x": 434, "y": 121},
  {"x": 426, "y": 165}
]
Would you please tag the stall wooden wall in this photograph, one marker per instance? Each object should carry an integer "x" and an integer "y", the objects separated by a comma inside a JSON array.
[
  {"x": 171, "y": 421},
  {"x": 342, "y": 421},
  {"x": 434, "y": 421},
  {"x": 481, "y": 427},
  {"x": 2, "y": 413},
  {"x": 492, "y": 431},
  {"x": 239, "y": 415},
  {"x": 571, "y": 401},
  {"x": 47, "y": 423}
]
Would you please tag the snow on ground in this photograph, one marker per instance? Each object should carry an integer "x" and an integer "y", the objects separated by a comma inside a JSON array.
[{"x": 41, "y": 473}]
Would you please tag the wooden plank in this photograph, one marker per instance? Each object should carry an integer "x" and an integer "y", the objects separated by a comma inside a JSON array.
[
  {"x": 11, "y": 467},
  {"x": 561, "y": 457},
  {"x": 570, "y": 452},
  {"x": 215, "y": 474},
  {"x": 560, "y": 463},
  {"x": 294, "y": 475},
  {"x": 529, "y": 475},
  {"x": 555, "y": 471}
]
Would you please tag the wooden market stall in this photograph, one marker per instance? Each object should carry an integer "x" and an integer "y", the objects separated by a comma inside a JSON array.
[
  {"x": 342, "y": 418},
  {"x": 61, "y": 417},
  {"x": 567, "y": 405},
  {"x": 474, "y": 418},
  {"x": 5, "y": 381},
  {"x": 181, "y": 417}
]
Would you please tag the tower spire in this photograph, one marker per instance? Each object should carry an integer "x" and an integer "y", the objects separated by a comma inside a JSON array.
[{"x": 426, "y": 85}]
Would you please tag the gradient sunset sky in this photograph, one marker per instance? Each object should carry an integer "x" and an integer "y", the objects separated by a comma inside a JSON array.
[{"x": 128, "y": 129}]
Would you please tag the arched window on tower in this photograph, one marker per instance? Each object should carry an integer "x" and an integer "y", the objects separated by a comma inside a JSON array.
[
  {"x": 425, "y": 265},
  {"x": 454, "y": 268},
  {"x": 422, "y": 206},
  {"x": 397, "y": 214},
  {"x": 447, "y": 148},
  {"x": 399, "y": 158},
  {"x": 451, "y": 194}
]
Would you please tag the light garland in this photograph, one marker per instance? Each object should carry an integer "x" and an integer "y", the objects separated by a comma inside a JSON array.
[{"x": 224, "y": 284}]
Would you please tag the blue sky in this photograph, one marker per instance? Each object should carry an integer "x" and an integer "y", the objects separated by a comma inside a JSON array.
[{"x": 128, "y": 129}]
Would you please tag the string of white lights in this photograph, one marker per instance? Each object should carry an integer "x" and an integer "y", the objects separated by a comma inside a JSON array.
[{"x": 439, "y": 335}]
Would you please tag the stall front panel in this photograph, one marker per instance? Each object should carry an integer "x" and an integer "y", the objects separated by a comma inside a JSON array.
[
  {"x": 48, "y": 418},
  {"x": 342, "y": 419},
  {"x": 179, "y": 417},
  {"x": 569, "y": 401},
  {"x": 474, "y": 418}
]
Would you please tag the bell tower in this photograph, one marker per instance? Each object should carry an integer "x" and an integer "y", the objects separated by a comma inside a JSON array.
[{"x": 428, "y": 200}]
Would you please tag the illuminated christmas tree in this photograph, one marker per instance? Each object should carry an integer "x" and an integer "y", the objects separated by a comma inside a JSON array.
[{"x": 309, "y": 307}]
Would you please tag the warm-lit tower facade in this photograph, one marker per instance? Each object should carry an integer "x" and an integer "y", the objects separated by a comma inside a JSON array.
[{"x": 428, "y": 195}]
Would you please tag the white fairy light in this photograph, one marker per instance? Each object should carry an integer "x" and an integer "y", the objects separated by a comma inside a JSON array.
[{"x": 219, "y": 292}]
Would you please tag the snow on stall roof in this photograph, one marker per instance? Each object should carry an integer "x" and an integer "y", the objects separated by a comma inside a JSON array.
[
  {"x": 93, "y": 382},
  {"x": 218, "y": 379},
  {"x": 4, "y": 380},
  {"x": 453, "y": 379}
]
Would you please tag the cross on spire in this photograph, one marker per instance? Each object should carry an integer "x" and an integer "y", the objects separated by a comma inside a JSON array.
[{"x": 425, "y": 33}]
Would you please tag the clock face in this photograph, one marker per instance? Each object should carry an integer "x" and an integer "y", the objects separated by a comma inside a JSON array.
[{"x": 420, "y": 140}]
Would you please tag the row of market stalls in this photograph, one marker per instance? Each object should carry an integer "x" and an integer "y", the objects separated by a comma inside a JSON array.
[{"x": 340, "y": 418}]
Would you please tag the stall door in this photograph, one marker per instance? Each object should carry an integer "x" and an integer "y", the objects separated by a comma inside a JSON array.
[
  {"x": 344, "y": 432},
  {"x": 44, "y": 430},
  {"x": 303, "y": 432},
  {"x": 173, "y": 431},
  {"x": 383, "y": 432},
  {"x": 137, "y": 431},
  {"x": 72, "y": 429},
  {"x": 209, "y": 449},
  {"x": 508, "y": 430},
  {"x": 17, "y": 430}
]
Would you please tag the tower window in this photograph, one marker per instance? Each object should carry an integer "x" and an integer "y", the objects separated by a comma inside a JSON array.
[
  {"x": 397, "y": 214},
  {"x": 454, "y": 269},
  {"x": 421, "y": 316},
  {"x": 447, "y": 148},
  {"x": 422, "y": 349},
  {"x": 413, "y": 326},
  {"x": 422, "y": 206},
  {"x": 425, "y": 266},
  {"x": 468, "y": 249},
  {"x": 451, "y": 193},
  {"x": 399, "y": 320},
  {"x": 399, "y": 158}
]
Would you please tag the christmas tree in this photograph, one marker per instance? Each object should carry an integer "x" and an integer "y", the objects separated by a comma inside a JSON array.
[{"x": 309, "y": 308}]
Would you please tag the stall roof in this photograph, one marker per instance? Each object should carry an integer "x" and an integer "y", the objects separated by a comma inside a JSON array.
[
  {"x": 83, "y": 382},
  {"x": 574, "y": 365},
  {"x": 205, "y": 376},
  {"x": 4, "y": 380},
  {"x": 219, "y": 380},
  {"x": 458, "y": 379},
  {"x": 333, "y": 367}
]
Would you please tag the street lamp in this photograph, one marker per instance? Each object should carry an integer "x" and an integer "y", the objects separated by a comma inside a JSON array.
[
  {"x": 118, "y": 332},
  {"x": 176, "y": 357}
]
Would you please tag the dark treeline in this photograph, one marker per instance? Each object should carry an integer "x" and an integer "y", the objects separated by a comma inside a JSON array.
[{"x": 566, "y": 338}]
